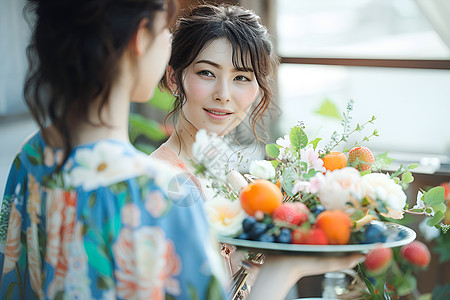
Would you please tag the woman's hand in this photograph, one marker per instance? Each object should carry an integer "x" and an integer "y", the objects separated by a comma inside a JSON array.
[{"x": 280, "y": 272}]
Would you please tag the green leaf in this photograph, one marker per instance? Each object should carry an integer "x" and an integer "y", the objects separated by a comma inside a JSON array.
[
  {"x": 289, "y": 176},
  {"x": 104, "y": 282},
  {"x": 214, "y": 289},
  {"x": 315, "y": 142},
  {"x": 407, "y": 177},
  {"x": 10, "y": 290},
  {"x": 162, "y": 100},
  {"x": 412, "y": 166},
  {"x": 434, "y": 196},
  {"x": 140, "y": 125},
  {"x": 98, "y": 258},
  {"x": 298, "y": 138},
  {"x": 440, "y": 207},
  {"x": 441, "y": 292},
  {"x": 443, "y": 244},
  {"x": 272, "y": 150},
  {"x": 406, "y": 286},
  {"x": 382, "y": 161},
  {"x": 438, "y": 216},
  {"x": 369, "y": 284},
  {"x": 328, "y": 109},
  {"x": 146, "y": 148},
  {"x": 170, "y": 297},
  {"x": 275, "y": 163},
  {"x": 311, "y": 173}
]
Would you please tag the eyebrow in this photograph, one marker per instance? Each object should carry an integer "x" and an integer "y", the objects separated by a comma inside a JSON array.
[{"x": 215, "y": 65}]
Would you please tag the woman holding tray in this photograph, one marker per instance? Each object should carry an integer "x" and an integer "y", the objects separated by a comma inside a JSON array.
[
  {"x": 85, "y": 215},
  {"x": 221, "y": 64}
]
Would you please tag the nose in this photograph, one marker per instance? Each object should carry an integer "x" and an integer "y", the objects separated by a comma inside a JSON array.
[{"x": 222, "y": 92}]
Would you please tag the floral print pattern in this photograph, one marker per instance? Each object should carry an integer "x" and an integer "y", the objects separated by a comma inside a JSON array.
[{"x": 101, "y": 228}]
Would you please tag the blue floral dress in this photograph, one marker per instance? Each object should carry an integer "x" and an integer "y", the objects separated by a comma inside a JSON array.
[{"x": 112, "y": 224}]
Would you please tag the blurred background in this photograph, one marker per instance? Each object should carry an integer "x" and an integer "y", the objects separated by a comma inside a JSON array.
[{"x": 392, "y": 57}]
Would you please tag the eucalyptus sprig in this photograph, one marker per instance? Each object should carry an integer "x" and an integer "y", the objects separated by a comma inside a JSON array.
[{"x": 337, "y": 138}]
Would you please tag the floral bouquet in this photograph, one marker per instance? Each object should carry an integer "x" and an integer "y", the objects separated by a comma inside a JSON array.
[{"x": 309, "y": 193}]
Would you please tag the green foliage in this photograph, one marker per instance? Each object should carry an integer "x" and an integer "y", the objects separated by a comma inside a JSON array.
[
  {"x": 298, "y": 138},
  {"x": 214, "y": 289},
  {"x": 441, "y": 292},
  {"x": 162, "y": 100},
  {"x": 328, "y": 109},
  {"x": 140, "y": 125},
  {"x": 443, "y": 247},
  {"x": 272, "y": 150},
  {"x": 338, "y": 138},
  {"x": 148, "y": 128}
]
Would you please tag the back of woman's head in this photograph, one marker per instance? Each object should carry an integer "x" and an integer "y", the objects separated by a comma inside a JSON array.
[
  {"x": 251, "y": 43},
  {"x": 74, "y": 53}
]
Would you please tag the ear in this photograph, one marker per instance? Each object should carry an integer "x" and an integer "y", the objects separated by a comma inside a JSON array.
[
  {"x": 140, "y": 40},
  {"x": 170, "y": 77}
]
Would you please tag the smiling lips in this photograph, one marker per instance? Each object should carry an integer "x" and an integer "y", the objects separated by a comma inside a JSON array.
[{"x": 218, "y": 114}]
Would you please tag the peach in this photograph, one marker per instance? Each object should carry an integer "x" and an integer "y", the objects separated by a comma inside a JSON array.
[
  {"x": 416, "y": 253},
  {"x": 378, "y": 260}
]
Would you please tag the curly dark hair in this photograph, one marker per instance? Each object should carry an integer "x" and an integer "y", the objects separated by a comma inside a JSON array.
[
  {"x": 74, "y": 54},
  {"x": 205, "y": 23}
]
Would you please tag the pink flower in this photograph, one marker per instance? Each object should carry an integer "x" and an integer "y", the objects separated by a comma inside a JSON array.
[
  {"x": 130, "y": 215},
  {"x": 60, "y": 230},
  {"x": 311, "y": 157},
  {"x": 34, "y": 260},
  {"x": 156, "y": 204},
  {"x": 339, "y": 187},
  {"x": 146, "y": 262},
  {"x": 13, "y": 245}
]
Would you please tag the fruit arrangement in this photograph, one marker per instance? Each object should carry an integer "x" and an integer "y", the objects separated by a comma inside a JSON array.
[
  {"x": 314, "y": 194},
  {"x": 271, "y": 220}
]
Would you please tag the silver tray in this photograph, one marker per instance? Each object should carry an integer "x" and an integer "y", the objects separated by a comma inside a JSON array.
[{"x": 398, "y": 235}]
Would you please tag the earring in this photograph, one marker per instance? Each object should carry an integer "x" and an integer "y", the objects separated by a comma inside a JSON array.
[{"x": 175, "y": 94}]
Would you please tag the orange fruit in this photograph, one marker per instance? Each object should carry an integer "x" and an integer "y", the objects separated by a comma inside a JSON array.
[
  {"x": 334, "y": 160},
  {"x": 337, "y": 226},
  {"x": 260, "y": 195},
  {"x": 361, "y": 158}
]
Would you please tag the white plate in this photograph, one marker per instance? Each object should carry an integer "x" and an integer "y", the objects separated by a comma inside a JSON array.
[{"x": 398, "y": 236}]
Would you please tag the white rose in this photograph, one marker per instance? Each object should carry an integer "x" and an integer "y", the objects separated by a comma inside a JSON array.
[
  {"x": 262, "y": 169},
  {"x": 225, "y": 216},
  {"x": 339, "y": 187},
  {"x": 382, "y": 187}
]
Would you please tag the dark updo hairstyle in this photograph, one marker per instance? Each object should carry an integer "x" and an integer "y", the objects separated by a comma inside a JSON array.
[
  {"x": 74, "y": 54},
  {"x": 205, "y": 23}
]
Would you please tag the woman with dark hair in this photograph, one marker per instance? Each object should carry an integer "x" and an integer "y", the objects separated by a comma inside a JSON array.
[
  {"x": 221, "y": 64},
  {"x": 234, "y": 77},
  {"x": 85, "y": 215}
]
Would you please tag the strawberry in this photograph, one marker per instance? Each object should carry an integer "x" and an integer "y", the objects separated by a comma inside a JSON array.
[
  {"x": 378, "y": 260},
  {"x": 361, "y": 158},
  {"x": 417, "y": 253},
  {"x": 293, "y": 213},
  {"x": 313, "y": 236}
]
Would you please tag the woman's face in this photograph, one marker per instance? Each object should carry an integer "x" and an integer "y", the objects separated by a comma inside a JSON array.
[
  {"x": 153, "y": 60},
  {"x": 218, "y": 96}
]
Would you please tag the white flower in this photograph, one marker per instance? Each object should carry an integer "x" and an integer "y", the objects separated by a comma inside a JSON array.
[
  {"x": 285, "y": 144},
  {"x": 262, "y": 169},
  {"x": 380, "y": 186},
  {"x": 339, "y": 187},
  {"x": 225, "y": 216},
  {"x": 311, "y": 156},
  {"x": 429, "y": 233},
  {"x": 103, "y": 165},
  {"x": 236, "y": 181},
  {"x": 211, "y": 151},
  {"x": 300, "y": 186}
]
